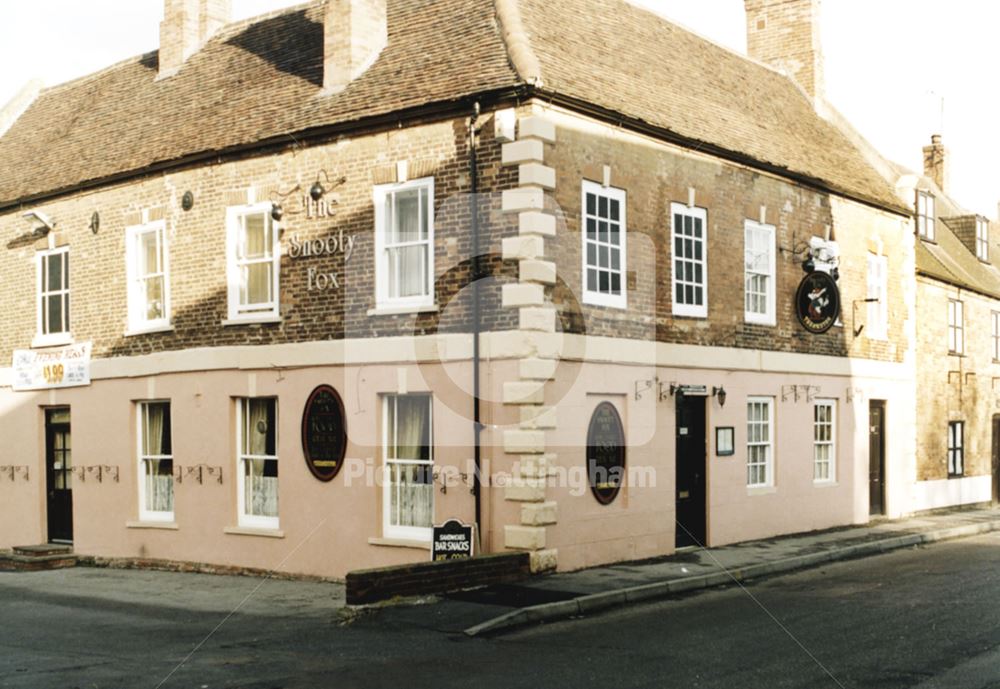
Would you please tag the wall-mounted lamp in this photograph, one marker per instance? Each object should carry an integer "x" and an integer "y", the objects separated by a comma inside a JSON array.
[
  {"x": 277, "y": 212},
  {"x": 316, "y": 191},
  {"x": 36, "y": 218},
  {"x": 95, "y": 222},
  {"x": 720, "y": 392},
  {"x": 187, "y": 201}
]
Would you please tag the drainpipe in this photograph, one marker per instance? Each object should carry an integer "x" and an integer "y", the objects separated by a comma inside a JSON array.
[{"x": 477, "y": 426}]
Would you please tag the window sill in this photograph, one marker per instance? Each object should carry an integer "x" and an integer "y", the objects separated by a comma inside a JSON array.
[
  {"x": 397, "y": 310},
  {"x": 825, "y": 484},
  {"x": 692, "y": 316},
  {"x": 761, "y": 490},
  {"x": 168, "y": 526},
  {"x": 257, "y": 320},
  {"x": 769, "y": 323},
  {"x": 400, "y": 543},
  {"x": 249, "y": 531},
  {"x": 51, "y": 340},
  {"x": 597, "y": 300},
  {"x": 133, "y": 332}
]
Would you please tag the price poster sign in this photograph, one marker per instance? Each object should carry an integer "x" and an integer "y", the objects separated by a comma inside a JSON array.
[
  {"x": 452, "y": 541},
  {"x": 43, "y": 369}
]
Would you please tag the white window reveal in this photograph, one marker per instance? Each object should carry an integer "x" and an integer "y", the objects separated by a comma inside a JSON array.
[
  {"x": 824, "y": 441},
  {"x": 983, "y": 239},
  {"x": 956, "y": 327},
  {"x": 760, "y": 443},
  {"x": 689, "y": 276},
  {"x": 878, "y": 295},
  {"x": 604, "y": 238},
  {"x": 925, "y": 215},
  {"x": 995, "y": 332},
  {"x": 253, "y": 264},
  {"x": 53, "y": 297},
  {"x": 956, "y": 448},
  {"x": 257, "y": 462},
  {"x": 408, "y": 499},
  {"x": 148, "y": 277},
  {"x": 759, "y": 253},
  {"x": 404, "y": 244},
  {"x": 156, "y": 463}
]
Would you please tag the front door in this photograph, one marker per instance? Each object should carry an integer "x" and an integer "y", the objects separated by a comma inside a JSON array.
[
  {"x": 996, "y": 459},
  {"x": 691, "y": 481},
  {"x": 59, "y": 474},
  {"x": 876, "y": 457}
]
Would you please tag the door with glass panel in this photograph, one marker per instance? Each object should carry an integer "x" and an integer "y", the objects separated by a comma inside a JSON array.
[{"x": 59, "y": 475}]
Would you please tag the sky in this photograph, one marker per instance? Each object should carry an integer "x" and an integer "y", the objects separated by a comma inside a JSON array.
[{"x": 890, "y": 64}]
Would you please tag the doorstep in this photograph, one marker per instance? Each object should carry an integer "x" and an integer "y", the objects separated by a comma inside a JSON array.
[{"x": 37, "y": 558}]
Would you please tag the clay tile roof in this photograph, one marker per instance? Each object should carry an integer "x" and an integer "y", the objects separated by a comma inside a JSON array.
[{"x": 261, "y": 79}]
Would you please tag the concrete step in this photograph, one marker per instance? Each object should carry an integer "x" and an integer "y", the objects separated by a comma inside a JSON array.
[{"x": 37, "y": 558}]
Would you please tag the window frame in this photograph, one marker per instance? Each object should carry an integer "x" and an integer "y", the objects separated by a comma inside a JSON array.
[
  {"x": 769, "y": 317},
  {"x": 878, "y": 312},
  {"x": 768, "y": 462},
  {"x": 254, "y": 521},
  {"x": 956, "y": 452},
  {"x": 995, "y": 333},
  {"x": 390, "y": 530},
  {"x": 597, "y": 297},
  {"x": 956, "y": 327},
  {"x": 144, "y": 514},
  {"x": 64, "y": 336},
  {"x": 137, "y": 322},
  {"x": 267, "y": 311},
  {"x": 831, "y": 461},
  {"x": 701, "y": 214},
  {"x": 983, "y": 239},
  {"x": 926, "y": 227},
  {"x": 382, "y": 298}
]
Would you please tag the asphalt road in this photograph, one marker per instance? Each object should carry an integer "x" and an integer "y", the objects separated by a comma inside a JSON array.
[{"x": 924, "y": 618}]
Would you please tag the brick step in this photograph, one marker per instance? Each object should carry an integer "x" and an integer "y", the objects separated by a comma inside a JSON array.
[{"x": 37, "y": 558}]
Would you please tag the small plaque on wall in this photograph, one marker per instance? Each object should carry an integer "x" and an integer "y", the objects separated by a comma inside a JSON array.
[
  {"x": 605, "y": 453},
  {"x": 324, "y": 433},
  {"x": 724, "y": 445}
]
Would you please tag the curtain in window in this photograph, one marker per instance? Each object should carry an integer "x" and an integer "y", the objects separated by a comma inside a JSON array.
[
  {"x": 150, "y": 272},
  {"x": 261, "y": 474},
  {"x": 408, "y": 270},
  {"x": 159, "y": 472},
  {"x": 414, "y": 496},
  {"x": 257, "y": 252}
]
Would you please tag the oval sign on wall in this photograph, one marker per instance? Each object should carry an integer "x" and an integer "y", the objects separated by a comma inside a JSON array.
[
  {"x": 324, "y": 433},
  {"x": 817, "y": 302},
  {"x": 605, "y": 453}
]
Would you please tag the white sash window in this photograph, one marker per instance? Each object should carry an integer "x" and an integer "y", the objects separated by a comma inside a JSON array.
[
  {"x": 254, "y": 262},
  {"x": 148, "y": 277},
  {"x": 156, "y": 463},
  {"x": 404, "y": 244},
  {"x": 408, "y": 499},
  {"x": 257, "y": 460}
]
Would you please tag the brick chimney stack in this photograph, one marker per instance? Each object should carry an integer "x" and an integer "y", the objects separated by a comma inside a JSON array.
[
  {"x": 186, "y": 27},
  {"x": 936, "y": 163},
  {"x": 786, "y": 35},
  {"x": 355, "y": 33}
]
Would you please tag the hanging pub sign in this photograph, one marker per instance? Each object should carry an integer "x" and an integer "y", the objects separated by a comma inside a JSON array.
[
  {"x": 43, "y": 369},
  {"x": 324, "y": 433},
  {"x": 817, "y": 302},
  {"x": 451, "y": 541},
  {"x": 605, "y": 453}
]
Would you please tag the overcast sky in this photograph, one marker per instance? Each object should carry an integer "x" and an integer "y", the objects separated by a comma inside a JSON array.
[{"x": 888, "y": 64}]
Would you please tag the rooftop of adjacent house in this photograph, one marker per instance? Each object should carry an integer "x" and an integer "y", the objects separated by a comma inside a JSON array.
[{"x": 261, "y": 79}]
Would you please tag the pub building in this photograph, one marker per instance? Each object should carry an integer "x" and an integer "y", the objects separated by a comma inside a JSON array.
[{"x": 291, "y": 291}]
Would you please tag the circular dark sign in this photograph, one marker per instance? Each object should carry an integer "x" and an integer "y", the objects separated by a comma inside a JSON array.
[
  {"x": 324, "y": 433},
  {"x": 605, "y": 453},
  {"x": 817, "y": 302}
]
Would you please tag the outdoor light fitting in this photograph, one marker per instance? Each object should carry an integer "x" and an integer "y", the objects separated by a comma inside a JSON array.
[
  {"x": 36, "y": 217},
  {"x": 277, "y": 212},
  {"x": 720, "y": 392},
  {"x": 316, "y": 191}
]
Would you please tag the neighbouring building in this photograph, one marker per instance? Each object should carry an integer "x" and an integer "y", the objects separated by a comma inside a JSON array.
[
  {"x": 958, "y": 341},
  {"x": 266, "y": 289}
]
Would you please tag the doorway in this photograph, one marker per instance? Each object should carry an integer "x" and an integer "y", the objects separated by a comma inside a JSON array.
[
  {"x": 59, "y": 475},
  {"x": 876, "y": 458},
  {"x": 995, "y": 455},
  {"x": 691, "y": 483}
]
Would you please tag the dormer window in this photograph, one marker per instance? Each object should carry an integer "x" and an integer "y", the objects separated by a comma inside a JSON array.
[
  {"x": 925, "y": 215},
  {"x": 983, "y": 239}
]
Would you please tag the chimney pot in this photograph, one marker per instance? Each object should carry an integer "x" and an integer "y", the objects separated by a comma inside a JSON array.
[
  {"x": 355, "y": 33},
  {"x": 936, "y": 162}
]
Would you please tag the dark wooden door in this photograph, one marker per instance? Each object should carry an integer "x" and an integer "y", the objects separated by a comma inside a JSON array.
[
  {"x": 59, "y": 474},
  {"x": 996, "y": 459},
  {"x": 876, "y": 457},
  {"x": 691, "y": 483}
]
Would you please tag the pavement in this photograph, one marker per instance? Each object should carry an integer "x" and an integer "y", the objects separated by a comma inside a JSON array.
[{"x": 571, "y": 594}]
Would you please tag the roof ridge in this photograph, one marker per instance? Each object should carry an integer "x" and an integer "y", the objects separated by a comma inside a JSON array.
[{"x": 515, "y": 38}]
